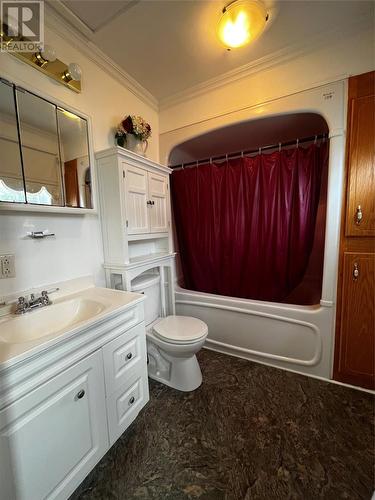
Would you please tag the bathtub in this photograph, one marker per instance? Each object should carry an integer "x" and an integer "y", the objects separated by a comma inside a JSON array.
[{"x": 292, "y": 337}]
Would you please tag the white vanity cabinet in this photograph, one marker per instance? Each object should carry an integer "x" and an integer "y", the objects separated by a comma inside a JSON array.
[
  {"x": 55, "y": 435},
  {"x": 62, "y": 408}
]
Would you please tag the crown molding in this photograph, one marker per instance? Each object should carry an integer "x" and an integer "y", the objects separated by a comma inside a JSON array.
[
  {"x": 274, "y": 59},
  {"x": 80, "y": 36}
]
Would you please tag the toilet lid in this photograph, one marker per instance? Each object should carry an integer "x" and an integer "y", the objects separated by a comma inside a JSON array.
[{"x": 180, "y": 329}]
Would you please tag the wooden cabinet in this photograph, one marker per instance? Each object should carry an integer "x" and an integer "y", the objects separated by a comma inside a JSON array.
[
  {"x": 355, "y": 322},
  {"x": 360, "y": 220},
  {"x": 63, "y": 424}
]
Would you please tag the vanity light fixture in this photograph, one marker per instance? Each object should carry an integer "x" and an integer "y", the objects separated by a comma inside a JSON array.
[
  {"x": 44, "y": 60},
  {"x": 242, "y": 22}
]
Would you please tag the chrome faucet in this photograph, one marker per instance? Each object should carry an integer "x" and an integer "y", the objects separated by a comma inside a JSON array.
[{"x": 24, "y": 305}]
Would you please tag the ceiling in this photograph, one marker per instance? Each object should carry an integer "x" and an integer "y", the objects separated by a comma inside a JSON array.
[{"x": 170, "y": 46}]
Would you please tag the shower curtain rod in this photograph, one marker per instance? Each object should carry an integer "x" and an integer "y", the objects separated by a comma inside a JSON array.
[{"x": 239, "y": 154}]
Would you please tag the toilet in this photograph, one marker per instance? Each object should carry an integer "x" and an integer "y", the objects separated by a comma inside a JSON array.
[{"x": 172, "y": 342}]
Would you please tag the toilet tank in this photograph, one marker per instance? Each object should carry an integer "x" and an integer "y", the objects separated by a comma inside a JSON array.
[{"x": 149, "y": 284}]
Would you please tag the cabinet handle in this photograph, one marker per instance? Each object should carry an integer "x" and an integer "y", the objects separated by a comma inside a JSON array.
[
  {"x": 131, "y": 400},
  {"x": 149, "y": 202},
  {"x": 358, "y": 215},
  {"x": 129, "y": 356},
  {"x": 80, "y": 394},
  {"x": 355, "y": 271}
]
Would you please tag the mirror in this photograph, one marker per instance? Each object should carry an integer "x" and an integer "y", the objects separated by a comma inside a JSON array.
[
  {"x": 44, "y": 152},
  {"x": 75, "y": 159},
  {"x": 11, "y": 176},
  {"x": 40, "y": 149}
]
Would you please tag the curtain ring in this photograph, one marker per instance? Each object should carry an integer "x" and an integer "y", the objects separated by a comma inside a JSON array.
[
  {"x": 182, "y": 165},
  {"x": 260, "y": 151},
  {"x": 211, "y": 160},
  {"x": 297, "y": 143},
  {"x": 226, "y": 157},
  {"x": 316, "y": 138},
  {"x": 197, "y": 164},
  {"x": 241, "y": 154},
  {"x": 279, "y": 147}
]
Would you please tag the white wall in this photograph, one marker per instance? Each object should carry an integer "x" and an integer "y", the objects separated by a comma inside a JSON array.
[
  {"x": 77, "y": 248},
  {"x": 230, "y": 103}
]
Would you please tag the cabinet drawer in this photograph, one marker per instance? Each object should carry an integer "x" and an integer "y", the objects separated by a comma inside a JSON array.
[
  {"x": 124, "y": 357},
  {"x": 124, "y": 405}
]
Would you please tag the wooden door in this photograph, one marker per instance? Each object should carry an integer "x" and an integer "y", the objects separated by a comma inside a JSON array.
[
  {"x": 158, "y": 195},
  {"x": 51, "y": 438},
  {"x": 71, "y": 184},
  {"x": 361, "y": 176},
  {"x": 357, "y": 347},
  {"x": 355, "y": 320},
  {"x": 136, "y": 197}
]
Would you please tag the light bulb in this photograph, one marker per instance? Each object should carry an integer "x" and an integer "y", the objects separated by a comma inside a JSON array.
[
  {"x": 48, "y": 53},
  {"x": 45, "y": 55},
  {"x": 73, "y": 72}
]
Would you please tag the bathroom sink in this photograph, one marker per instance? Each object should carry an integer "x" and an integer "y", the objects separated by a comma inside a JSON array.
[
  {"x": 49, "y": 320},
  {"x": 77, "y": 308}
]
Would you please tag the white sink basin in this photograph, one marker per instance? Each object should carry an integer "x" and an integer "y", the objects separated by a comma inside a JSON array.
[
  {"x": 69, "y": 314},
  {"x": 48, "y": 320}
]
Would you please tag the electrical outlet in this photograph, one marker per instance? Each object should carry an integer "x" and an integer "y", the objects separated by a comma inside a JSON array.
[{"x": 7, "y": 266}]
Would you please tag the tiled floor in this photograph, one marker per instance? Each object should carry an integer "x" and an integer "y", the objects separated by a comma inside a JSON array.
[{"x": 249, "y": 432}]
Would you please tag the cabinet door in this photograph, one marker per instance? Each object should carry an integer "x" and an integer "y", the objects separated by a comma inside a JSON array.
[
  {"x": 136, "y": 200},
  {"x": 361, "y": 175},
  {"x": 52, "y": 438},
  {"x": 158, "y": 194},
  {"x": 356, "y": 349}
]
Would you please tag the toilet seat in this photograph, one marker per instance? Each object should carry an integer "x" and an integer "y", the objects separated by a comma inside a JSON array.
[{"x": 180, "y": 329}]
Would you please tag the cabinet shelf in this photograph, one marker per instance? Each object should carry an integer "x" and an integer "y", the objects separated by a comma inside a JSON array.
[{"x": 147, "y": 236}]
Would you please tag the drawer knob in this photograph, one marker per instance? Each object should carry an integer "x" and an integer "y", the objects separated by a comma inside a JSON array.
[
  {"x": 131, "y": 400},
  {"x": 80, "y": 394},
  {"x": 129, "y": 355}
]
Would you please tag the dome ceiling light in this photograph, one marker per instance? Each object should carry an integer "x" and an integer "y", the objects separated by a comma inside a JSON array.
[{"x": 242, "y": 22}]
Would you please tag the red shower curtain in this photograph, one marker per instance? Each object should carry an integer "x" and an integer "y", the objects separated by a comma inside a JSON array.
[{"x": 245, "y": 227}]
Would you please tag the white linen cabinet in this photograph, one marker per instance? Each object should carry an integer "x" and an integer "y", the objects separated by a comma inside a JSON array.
[{"x": 135, "y": 213}]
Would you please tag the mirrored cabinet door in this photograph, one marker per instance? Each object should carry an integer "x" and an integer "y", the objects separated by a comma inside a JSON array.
[
  {"x": 11, "y": 176},
  {"x": 40, "y": 149},
  {"x": 75, "y": 159}
]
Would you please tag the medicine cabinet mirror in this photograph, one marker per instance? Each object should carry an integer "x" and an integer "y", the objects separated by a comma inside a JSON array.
[{"x": 44, "y": 152}]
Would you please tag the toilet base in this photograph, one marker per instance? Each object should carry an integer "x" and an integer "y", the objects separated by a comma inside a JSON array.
[{"x": 183, "y": 374}]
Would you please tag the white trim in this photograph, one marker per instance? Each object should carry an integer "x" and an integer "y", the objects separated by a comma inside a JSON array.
[{"x": 57, "y": 23}]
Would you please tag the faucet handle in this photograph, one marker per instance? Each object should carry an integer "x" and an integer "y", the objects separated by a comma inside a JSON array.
[{"x": 21, "y": 300}]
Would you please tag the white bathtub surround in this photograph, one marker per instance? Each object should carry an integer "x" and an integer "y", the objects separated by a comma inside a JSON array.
[
  {"x": 299, "y": 338},
  {"x": 74, "y": 385}
]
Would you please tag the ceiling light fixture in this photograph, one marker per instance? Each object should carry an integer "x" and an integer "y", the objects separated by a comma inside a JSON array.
[{"x": 242, "y": 22}]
